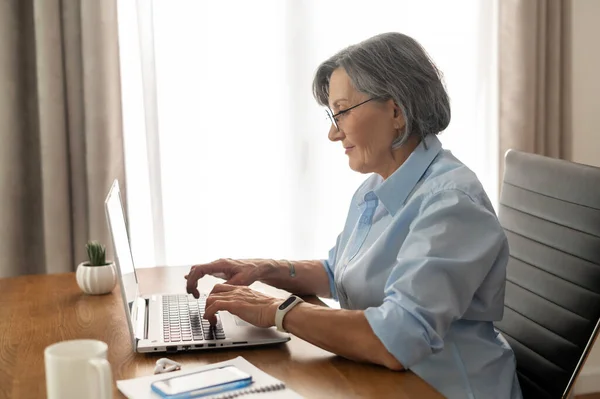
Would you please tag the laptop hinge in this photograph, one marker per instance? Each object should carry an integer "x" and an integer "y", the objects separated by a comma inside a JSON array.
[
  {"x": 146, "y": 318},
  {"x": 141, "y": 323}
]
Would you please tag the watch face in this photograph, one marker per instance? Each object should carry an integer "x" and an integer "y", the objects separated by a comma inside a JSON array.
[{"x": 287, "y": 302}]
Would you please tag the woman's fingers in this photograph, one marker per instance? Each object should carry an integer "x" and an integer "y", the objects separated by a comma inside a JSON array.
[
  {"x": 192, "y": 281},
  {"x": 217, "y": 305},
  {"x": 224, "y": 288},
  {"x": 216, "y": 296},
  {"x": 243, "y": 302},
  {"x": 198, "y": 271},
  {"x": 237, "y": 279}
]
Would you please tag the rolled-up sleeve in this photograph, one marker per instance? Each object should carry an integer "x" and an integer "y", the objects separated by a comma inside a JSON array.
[
  {"x": 451, "y": 247},
  {"x": 329, "y": 265}
]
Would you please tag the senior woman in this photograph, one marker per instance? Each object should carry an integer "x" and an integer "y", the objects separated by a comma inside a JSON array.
[{"x": 419, "y": 268}]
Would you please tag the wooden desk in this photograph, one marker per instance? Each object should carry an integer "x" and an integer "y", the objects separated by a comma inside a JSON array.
[{"x": 36, "y": 311}]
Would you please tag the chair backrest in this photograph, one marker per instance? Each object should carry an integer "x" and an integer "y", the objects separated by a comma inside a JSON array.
[{"x": 550, "y": 211}]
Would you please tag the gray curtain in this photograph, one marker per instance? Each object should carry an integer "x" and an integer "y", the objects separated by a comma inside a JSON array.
[
  {"x": 60, "y": 130},
  {"x": 532, "y": 40}
]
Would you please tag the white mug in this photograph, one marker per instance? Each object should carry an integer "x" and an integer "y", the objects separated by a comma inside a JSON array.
[{"x": 78, "y": 369}]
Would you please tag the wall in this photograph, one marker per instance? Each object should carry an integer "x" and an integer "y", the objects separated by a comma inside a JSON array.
[
  {"x": 583, "y": 65},
  {"x": 583, "y": 120}
]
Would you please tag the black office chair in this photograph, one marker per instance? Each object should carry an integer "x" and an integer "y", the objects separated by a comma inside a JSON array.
[{"x": 550, "y": 210}]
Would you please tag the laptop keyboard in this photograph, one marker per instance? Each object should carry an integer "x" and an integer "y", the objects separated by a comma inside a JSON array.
[{"x": 182, "y": 319}]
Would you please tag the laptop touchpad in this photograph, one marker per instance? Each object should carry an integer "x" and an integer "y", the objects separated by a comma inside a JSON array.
[{"x": 241, "y": 322}]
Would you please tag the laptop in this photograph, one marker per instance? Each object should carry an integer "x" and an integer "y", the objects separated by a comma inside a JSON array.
[{"x": 171, "y": 323}]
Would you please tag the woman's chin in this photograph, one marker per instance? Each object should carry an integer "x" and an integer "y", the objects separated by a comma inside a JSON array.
[{"x": 357, "y": 167}]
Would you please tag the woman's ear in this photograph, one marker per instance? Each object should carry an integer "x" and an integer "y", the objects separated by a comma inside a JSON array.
[{"x": 399, "y": 121}]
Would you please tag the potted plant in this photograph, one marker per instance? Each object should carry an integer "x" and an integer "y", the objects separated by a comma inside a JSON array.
[{"x": 96, "y": 276}]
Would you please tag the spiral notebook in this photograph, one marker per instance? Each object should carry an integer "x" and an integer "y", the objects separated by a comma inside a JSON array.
[{"x": 264, "y": 386}]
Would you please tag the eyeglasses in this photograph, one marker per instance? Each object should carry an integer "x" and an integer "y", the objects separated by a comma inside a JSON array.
[{"x": 333, "y": 117}]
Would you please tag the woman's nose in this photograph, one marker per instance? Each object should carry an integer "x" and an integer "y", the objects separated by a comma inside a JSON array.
[{"x": 335, "y": 134}]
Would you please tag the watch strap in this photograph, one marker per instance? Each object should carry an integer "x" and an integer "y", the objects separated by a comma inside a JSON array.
[{"x": 285, "y": 307}]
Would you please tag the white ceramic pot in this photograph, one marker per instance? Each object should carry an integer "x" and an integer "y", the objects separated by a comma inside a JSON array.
[{"x": 96, "y": 280}]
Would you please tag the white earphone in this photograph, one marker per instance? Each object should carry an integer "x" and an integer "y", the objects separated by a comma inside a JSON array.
[{"x": 164, "y": 365}]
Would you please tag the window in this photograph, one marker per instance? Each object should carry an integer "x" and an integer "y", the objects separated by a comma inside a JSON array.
[{"x": 226, "y": 150}]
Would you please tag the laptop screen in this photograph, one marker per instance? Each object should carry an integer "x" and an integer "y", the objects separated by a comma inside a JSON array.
[{"x": 124, "y": 259}]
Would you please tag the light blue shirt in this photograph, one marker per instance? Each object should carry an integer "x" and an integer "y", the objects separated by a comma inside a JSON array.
[{"x": 423, "y": 254}]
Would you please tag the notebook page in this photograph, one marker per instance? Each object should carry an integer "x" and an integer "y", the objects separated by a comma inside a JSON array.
[{"x": 264, "y": 386}]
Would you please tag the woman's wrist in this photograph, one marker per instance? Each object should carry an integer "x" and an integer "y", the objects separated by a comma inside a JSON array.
[{"x": 301, "y": 277}]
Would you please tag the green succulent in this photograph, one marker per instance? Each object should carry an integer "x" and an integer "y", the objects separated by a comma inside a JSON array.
[{"x": 96, "y": 253}]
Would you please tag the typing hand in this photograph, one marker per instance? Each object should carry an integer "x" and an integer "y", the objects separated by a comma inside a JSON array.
[
  {"x": 249, "y": 305},
  {"x": 235, "y": 272}
]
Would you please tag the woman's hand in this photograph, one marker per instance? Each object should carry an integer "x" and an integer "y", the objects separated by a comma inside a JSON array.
[
  {"x": 249, "y": 305},
  {"x": 235, "y": 272}
]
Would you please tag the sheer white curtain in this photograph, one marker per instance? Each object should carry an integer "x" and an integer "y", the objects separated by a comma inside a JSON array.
[{"x": 227, "y": 152}]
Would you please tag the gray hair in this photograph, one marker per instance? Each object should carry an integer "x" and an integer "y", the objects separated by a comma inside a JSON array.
[{"x": 393, "y": 66}]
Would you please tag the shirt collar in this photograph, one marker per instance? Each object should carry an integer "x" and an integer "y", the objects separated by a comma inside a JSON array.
[{"x": 393, "y": 191}]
